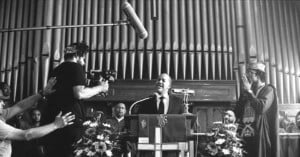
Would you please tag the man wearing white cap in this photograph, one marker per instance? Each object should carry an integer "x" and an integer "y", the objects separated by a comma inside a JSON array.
[{"x": 256, "y": 113}]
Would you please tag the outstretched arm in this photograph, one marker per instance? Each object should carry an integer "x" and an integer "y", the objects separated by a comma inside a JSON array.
[
  {"x": 11, "y": 133},
  {"x": 82, "y": 92},
  {"x": 26, "y": 103}
]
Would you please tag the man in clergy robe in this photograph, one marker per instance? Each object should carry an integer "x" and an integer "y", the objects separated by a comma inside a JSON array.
[
  {"x": 257, "y": 114},
  {"x": 161, "y": 102},
  {"x": 117, "y": 123}
]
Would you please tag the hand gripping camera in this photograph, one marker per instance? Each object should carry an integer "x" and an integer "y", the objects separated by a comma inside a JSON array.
[{"x": 96, "y": 76}]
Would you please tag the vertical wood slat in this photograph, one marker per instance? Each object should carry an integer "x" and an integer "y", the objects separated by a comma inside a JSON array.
[
  {"x": 132, "y": 64},
  {"x": 198, "y": 37},
  {"x": 175, "y": 63},
  {"x": 124, "y": 63},
  {"x": 278, "y": 52},
  {"x": 85, "y": 32},
  {"x": 218, "y": 37},
  {"x": 264, "y": 36},
  {"x": 234, "y": 27},
  {"x": 116, "y": 35},
  {"x": 290, "y": 56},
  {"x": 295, "y": 33},
  {"x": 24, "y": 45},
  {"x": 175, "y": 36},
  {"x": 2, "y": 18},
  {"x": 10, "y": 46},
  {"x": 107, "y": 33},
  {"x": 166, "y": 24},
  {"x": 240, "y": 36},
  {"x": 74, "y": 14},
  {"x": 5, "y": 41},
  {"x": 271, "y": 42},
  {"x": 183, "y": 36},
  {"x": 167, "y": 61},
  {"x": 29, "y": 55},
  {"x": 224, "y": 62},
  {"x": 205, "y": 23},
  {"x": 81, "y": 18},
  {"x": 191, "y": 60},
  {"x": 158, "y": 36},
  {"x": 284, "y": 51},
  {"x": 124, "y": 41},
  {"x": 190, "y": 35},
  {"x": 183, "y": 64},
  {"x": 251, "y": 44},
  {"x": 158, "y": 24},
  {"x": 231, "y": 42},
  {"x": 258, "y": 30},
  {"x": 17, "y": 49},
  {"x": 47, "y": 36},
  {"x": 94, "y": 14},
  {"x": 132, "y": 46},
  {"x": 37, "y": 46},
  {"x": 141, "y": 43},
  {"x": 212, "y": 40},
  {"x": 149, "y": 63}
]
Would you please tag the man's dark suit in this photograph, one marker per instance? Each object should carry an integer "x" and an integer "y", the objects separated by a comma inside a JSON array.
[{"x": 149, "y": 106}]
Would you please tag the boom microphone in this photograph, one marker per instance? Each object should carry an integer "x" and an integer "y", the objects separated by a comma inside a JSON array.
[{"x": 134, "y": 20}]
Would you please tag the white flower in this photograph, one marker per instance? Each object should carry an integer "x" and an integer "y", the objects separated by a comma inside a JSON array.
[
  {"x": 226, "y": 151},
  {"x": 90, "y": 153},
  {"x": 220, "y": 141},
  {"x": 100, "y": 137},
  {"x": 108, "y": 142},
  {"x": 87, "y": 122},
  {"x": 79, "y": 152},
  {"x": 108, "y": 153},
  {"x": 106, "y": 125},
  {"x": 237, "y": 150},
  {"x": 94, "y": 124}
]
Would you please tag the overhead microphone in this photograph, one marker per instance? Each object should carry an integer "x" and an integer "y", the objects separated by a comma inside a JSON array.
[{"x": 134, "y": 20}]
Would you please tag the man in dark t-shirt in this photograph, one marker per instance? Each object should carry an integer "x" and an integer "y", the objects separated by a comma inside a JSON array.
[{"x": 70, "y": 90}]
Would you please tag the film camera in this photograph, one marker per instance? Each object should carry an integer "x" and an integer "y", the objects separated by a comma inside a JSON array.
[{"x": 95, "y": 76}]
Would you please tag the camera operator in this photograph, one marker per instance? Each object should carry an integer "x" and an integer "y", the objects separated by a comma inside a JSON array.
[{"x": 70, "y": 90}]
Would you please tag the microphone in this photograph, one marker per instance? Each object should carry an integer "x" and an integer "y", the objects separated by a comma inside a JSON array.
[
  {"x": 182, "y": 91},
  {"x": 134, "y": 20}
]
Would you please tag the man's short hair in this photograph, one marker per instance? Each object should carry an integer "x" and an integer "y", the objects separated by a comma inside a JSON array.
[{"x": 76, "y": 49}]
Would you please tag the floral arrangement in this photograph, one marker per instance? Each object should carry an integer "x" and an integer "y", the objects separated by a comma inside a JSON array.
[
  {"x": 221, "y": 141},
  {"x": 98, "y": 139}
]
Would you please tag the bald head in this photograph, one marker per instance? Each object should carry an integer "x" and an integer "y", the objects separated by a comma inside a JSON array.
[
  {"x": 229, "y": 117},
  {"x": 120, "y": 110},
  {"x": 163, "y": 83}
]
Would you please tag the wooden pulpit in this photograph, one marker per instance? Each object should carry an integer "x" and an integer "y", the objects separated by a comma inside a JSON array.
[{"x": 162, "y": 133}]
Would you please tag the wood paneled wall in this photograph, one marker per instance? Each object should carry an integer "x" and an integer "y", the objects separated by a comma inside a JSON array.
[{"x": 198, "y": 40}]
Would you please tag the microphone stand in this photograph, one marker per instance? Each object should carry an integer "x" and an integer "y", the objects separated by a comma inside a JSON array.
[
  {"x": 186, "y": 102},
  {"x": 118, "y": 23},
  {"x": 186, "y": 93}
]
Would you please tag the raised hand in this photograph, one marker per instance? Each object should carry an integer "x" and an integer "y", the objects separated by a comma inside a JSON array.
[
  {"x": 65, "y": 120},
  {"x": 246, "y": 84},
  {"x": 48, "y": 89}
]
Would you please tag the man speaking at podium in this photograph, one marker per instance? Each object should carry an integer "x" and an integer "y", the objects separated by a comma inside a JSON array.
[{"x": 161, "y": 102}]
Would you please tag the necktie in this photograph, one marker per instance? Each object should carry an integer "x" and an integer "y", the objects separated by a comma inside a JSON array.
[{"x": 161, "y": 107}]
